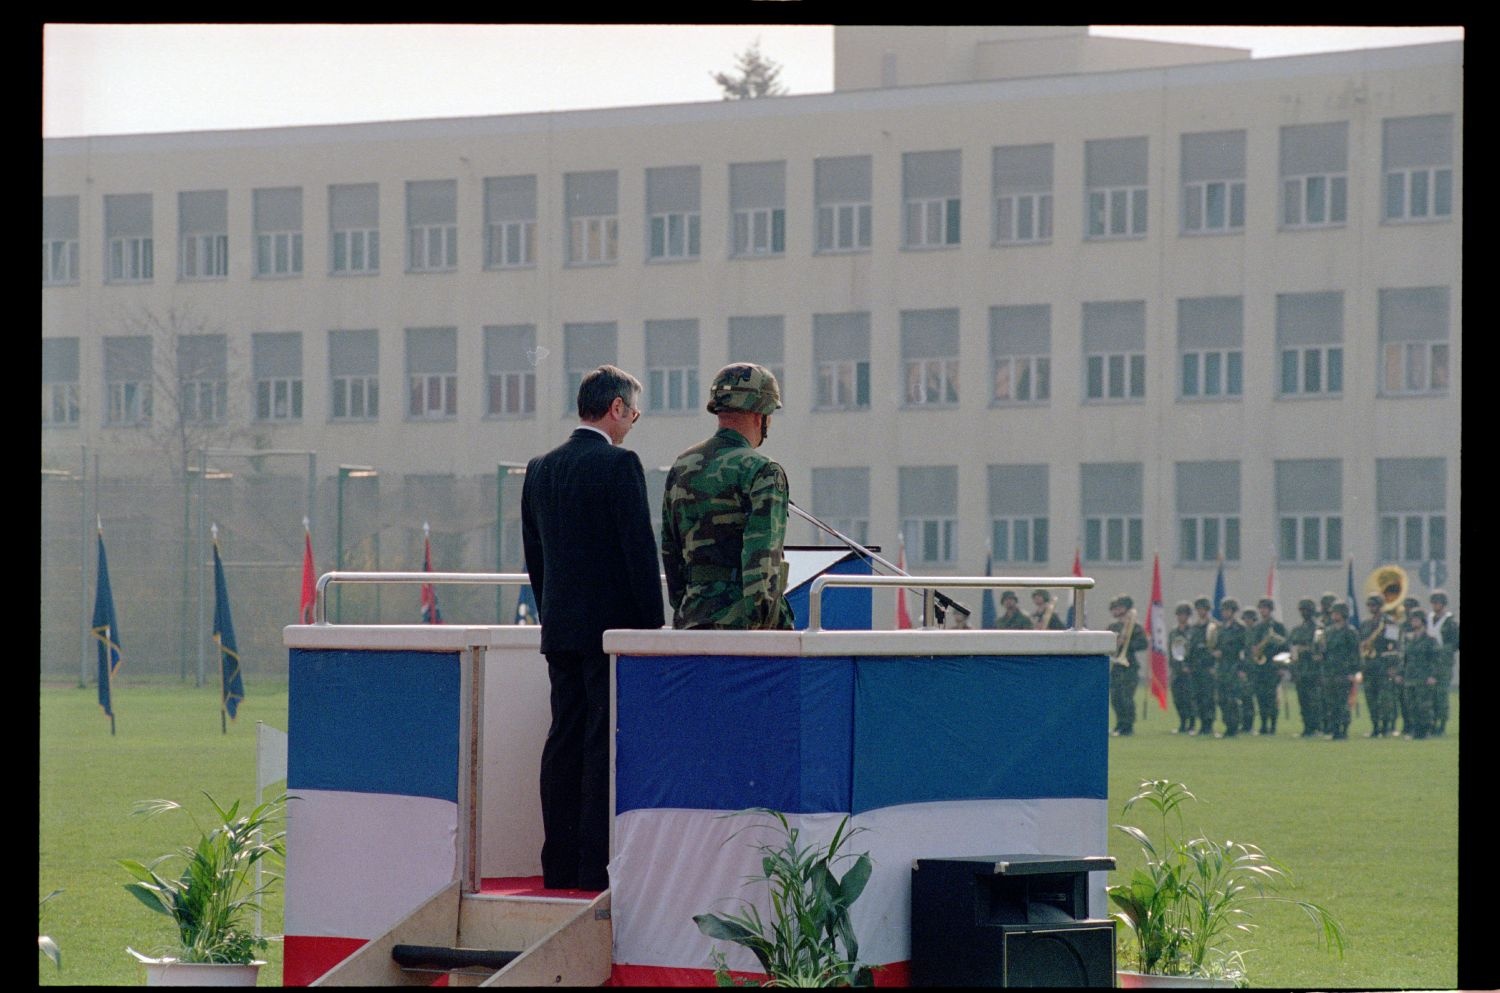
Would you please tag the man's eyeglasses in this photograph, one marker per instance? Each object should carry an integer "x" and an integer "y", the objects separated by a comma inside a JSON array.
[{"x": 635, "y": 412}]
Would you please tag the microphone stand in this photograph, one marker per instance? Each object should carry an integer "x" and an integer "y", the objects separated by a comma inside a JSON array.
[{"x": 942, "y": 601}]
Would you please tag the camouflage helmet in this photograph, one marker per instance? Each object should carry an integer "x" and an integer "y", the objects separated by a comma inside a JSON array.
[
  {"x": 1203, "y": 603},
  {"x": 1183, "y": 607},
  {"x": 1046, "y": 595},
  {"x": 1340, "y": 607},
  {"x": 1009, "y": 595},
  {"x": 1327, "y": 599},
  {"x": 1266, "y": 602},
  {"x": 1123, "y": 600},
  {"x": 744, "y": 386},
  {"x": 1438, "y": 596},
  {"x": 1306, "y": 603},
  {"x": 1229, "y": 603}
]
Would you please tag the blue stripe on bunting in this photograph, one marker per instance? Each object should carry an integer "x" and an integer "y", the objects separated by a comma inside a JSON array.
[
  {"x": 728, "y": 732},
  {"x": 374, "y": 722},
  {"x": 813, "y": 735},
  {"x": 966, "y": 728}
]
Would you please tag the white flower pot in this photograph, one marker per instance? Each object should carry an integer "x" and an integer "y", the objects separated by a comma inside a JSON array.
[{"x": 171, "y": 972}]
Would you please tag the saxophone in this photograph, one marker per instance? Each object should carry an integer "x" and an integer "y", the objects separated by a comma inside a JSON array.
[
  {"x": 1122, "y": 640},
  {"x": 1258, "y": 653}
]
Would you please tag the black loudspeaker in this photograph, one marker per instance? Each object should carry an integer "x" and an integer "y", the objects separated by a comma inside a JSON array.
[{"x": 1009, "y": 920}]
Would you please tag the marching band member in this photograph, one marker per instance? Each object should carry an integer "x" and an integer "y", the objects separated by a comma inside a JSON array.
[{"x": 1125, "y": 669}]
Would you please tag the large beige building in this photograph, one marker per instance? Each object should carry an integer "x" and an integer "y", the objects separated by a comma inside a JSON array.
[{"x": 1025, "y": 289}]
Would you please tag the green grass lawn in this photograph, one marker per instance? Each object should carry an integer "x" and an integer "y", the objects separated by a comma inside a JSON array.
[{"x": 1368, "y": 828}]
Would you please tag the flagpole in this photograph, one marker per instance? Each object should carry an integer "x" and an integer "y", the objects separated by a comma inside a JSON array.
[{"x": 223, "y": 720}]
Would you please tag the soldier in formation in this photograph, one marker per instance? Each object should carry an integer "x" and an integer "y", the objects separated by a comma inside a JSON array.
[
  {"x": 1202, "y": 660},
  {"x": 1268, "y": 636},
  {"x": 1229, "y": 663},
  {"x": 1011, "y": 618},
  {"x": 1443, "y": 627},
  {"x": 1179, "y": 642},
  {"x": 1044, "y": 615},
  {"x": 1305, "y": 644},
  {"x": 1125, "y": 667}
]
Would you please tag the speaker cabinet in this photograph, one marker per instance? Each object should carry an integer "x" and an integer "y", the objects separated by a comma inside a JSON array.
[{"x": 1009, "y": 920}]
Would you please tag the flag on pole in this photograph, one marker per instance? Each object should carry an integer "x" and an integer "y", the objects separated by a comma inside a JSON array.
[
  {"x": 1156, "y": 623},
  {"x": 1349, "y": 596},
  {"x": 526, "y": 606},
  {"x": 1272, "y": 591},
  {"x": 430, "y": 612},
  {"x": 305, "y": 612},
  {"x": 987, "y": 604},
  {"x": 231, "y": 681},
  {"x": 1219, "y": 593},
  {"x": 1072, "y": 604},
  {"x": 903, "y": 619},
  {"x": 106, "y": 633}
]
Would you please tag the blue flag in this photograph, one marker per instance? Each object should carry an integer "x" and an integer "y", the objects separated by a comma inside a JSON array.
[
  {"x": 1219, "y": 588},
  {"x": 987, "y": 604},
  {"x": 1353, "y": 600},
  {"x": 105, "y": 632},
  {"x": 526, "y": 606},
  {"x": 232, "y": 683}
]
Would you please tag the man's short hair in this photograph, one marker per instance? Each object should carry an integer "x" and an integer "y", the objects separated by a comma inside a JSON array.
[{"x": 599, "y": 388}]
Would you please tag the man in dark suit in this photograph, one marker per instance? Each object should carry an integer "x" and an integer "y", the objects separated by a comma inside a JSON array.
[{"x": 586, "y": 529}]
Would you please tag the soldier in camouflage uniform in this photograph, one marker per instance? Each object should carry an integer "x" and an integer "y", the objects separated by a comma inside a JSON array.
[
  {"x": 1420, "y": 670},
  {"x": 1267, "y": 637},
  {"x": 1340, "y": 666},
  {"x": 1011, "y": 618},
  {"x": 1201, "y": 646},
  {"x": 1248, "y": 619},
  {"x": 723, "y": 515},
  {"x": 1443, "y": 627},
  {"x": 1179, "y": 641},
  {"x": 1045, "y": 617},
  {"x": 1306, "y": 671},
  {"x": 1125, "y": 668},
  {"x": 1386, "y": 665},
  {"x": 1230, "y": 665}
]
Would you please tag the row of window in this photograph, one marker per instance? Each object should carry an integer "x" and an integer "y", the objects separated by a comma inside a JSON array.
[
  {"x": 1413, "y": 334},
  {"x": 1410, "y": 495},
  {"x": 1417, "y": 177}
]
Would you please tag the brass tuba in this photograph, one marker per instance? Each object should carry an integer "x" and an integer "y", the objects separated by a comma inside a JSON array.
[{"x": 1389, "y": 583}]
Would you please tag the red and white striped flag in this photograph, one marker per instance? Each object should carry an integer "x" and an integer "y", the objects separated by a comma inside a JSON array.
[
  {"x": 1156, "y": 623},
  {"x": 903, "y": 619},
  {"x": 430, "y": 612},
  {"x": 309, "y": 578}
]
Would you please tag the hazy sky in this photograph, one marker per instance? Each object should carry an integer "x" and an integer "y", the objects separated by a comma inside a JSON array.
[{"x": 134, "y": 78}]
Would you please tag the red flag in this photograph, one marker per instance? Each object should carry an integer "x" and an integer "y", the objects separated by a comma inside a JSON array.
[
  {"x": 430, "y": 612},
  {"x": 1156, "y": 623},
  {"x": 309, "y": 578},
  {"x": 1073, "y": 604},
  {"x": 903, "y": 619}
]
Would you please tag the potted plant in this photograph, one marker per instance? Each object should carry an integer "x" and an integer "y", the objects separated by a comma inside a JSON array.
[
  {"x": 809, "y": 940},
  {"x": 212, "y": 898},
  {"x": 1192, "y": 897}
]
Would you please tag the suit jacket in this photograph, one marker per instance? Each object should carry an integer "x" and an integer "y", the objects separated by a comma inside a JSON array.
[{"x": 586, "y": 529}]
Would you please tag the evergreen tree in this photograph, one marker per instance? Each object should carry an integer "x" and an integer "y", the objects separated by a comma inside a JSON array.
[{"x": 754, "y": 76}]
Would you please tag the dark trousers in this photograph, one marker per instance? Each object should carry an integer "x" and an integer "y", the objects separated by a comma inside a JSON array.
[
  {"x": 1122, "y": 683},
  {"x": 1265, "y": 679},
  {"x": 575, "y": 774}
]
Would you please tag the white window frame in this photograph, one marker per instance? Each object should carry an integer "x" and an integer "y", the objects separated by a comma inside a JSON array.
[
  {"x": 838, "y": 384},
  {"x": 857, "y": 528},
  {"x": 1324, "y": 366},
  {"x": 59, "y": 404},
  {"x": 360, "y": 248},
  {"x": 511, "y": 393},
  {"x": 927, "y": 222},
  {"x": 1426, "y": 207},
  {"x": 1399, "y": 544},
  {"x": 59, "y": 261},
  {"x": 932, "y": 382},
  {"x": 203, "y": 401},
  {"x": 1034, "y": 209},
  {"x": 433, "y": 394},
  {"x": 1125, "y": 370},
  {"x": 1225, "y": 526},
  {"x": 278, "y": 253},
  {"x": 278, "y": 398},
  {"x": 594, "y": 240},
  {"x": 1033, "y": 370},
  {"x": 510, "y": 245},
  {"x": 759, "y": 231},
  {"x": 923, "y": 533},
  {"x": 129, "y": 403},
  {"x": 431, "y": 247},
  {"x": 1103, "y": 204},
  {"x": 1414, "y": 366},
  {"x": 674, "y": 235},
  {"x": 1102, "y": 531},
  {"x": 1302, "y": 530},
  {"x": 1009, "y": 533},
  {"x": 1197, "y": 207},
  {"x": 1297, "y": 200},
  {"x": 672, "y": 389},
  {"x": 204, "y": 256},
  {"x": 345, "y": 391},
  {"x": 131, "y": 260},
  {"x": 1211, "y": 384},
  {"x": 848, "y": 224}
]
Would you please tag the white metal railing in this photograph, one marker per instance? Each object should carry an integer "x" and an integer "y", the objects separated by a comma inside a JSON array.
[
  {"x": 320, "y": 608},
  {"x": 815, "y": 595}
]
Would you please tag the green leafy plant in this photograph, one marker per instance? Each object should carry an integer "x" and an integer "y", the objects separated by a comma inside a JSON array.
[
  {"x": 46, "y": 945},
  {"x": 809, "y": 940},
  {"x": 213, "y": 898},
  {"x": 1192, "y": 897}
]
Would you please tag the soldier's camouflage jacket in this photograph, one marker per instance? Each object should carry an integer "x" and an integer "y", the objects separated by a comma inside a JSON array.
[{"x": 723, "y": 526}]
